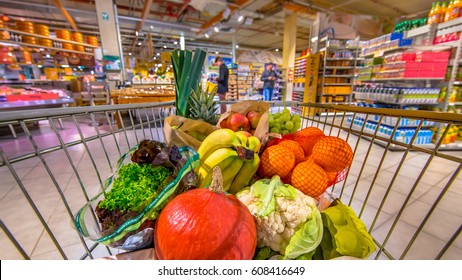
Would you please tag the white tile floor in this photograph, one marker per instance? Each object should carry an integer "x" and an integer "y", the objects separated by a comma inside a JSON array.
[{"x": 369, "y": 191}]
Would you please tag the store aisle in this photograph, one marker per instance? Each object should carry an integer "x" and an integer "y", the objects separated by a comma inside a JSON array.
[{"x": 370, "y": 189}]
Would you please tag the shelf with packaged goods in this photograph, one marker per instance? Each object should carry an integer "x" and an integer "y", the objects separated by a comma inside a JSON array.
[
  {"x": 398, "y": 104},
  {"x": 334, "y": 94},
  {"x": 340, "y": 59},
  {"x": 429, "y": 125},
  {"x": 44, "y": 47},
  {"x": 337, "y": 76},
  {"x": 339, "y": 67},
  {"x": 45, "y": 37},
  {"x": 337, "y": 84},
  {"x": 404, "y": 79}
]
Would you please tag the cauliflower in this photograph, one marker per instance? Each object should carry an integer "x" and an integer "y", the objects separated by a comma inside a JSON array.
[{"x": 280, "y": 212}]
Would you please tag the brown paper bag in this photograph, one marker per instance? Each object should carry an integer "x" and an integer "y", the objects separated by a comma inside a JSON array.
[
  {"x": 178, "y": 131},
  {"x": 244, "y": 107}
]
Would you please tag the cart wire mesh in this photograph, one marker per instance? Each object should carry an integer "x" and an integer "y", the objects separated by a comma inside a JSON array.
[{"x": 405, "y": 189}]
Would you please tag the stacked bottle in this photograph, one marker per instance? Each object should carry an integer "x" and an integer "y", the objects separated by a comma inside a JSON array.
[{"x": 442, "y": 12}]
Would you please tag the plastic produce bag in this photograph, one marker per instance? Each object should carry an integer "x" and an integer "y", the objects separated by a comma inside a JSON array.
[{"x": 136, "y": 231}]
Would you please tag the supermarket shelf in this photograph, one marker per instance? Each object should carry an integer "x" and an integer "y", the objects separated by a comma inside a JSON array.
[
  {"x": 153, "y": 84},
  {"x": 333, "y": 94},
  {"x": 336, "y": 76},
  {"x": 418, "y": 31},
  {"x": 299, "y": 80},
  {"x": 398, "y": 104},
  {"x": 339, "y": 59},
  {"x": 450, "y": 23},
  {"x": 458, "y": 83},
  {"x": 393, "y": 147},
  {"x": 338, "y": 114},
  {"x": 35, "y": 103},
  {"x": 44, "y": 47},
  {"x": 340, "y": 49},
  {"x": 455, "y": 103},
  {"x": 401, "y": 126},
  {"x": 45, "y": 37},
  {"x": 337, "y": 84},
  {"x": 337, "y": 67},
  {"x": 404, "y": 79}
]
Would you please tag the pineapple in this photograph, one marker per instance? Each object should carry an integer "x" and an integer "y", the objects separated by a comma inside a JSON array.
[{"x": 202, "y": 106}]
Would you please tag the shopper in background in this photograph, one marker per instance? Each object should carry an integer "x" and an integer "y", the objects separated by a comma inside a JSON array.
[
  {"x": 268, "y": 77},
  {"x": 222, "y": 81}
]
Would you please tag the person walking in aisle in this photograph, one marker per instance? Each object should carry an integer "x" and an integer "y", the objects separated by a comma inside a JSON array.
[
  {"x": 268, "y": 77},
  {"x": 222, "y": 81}
]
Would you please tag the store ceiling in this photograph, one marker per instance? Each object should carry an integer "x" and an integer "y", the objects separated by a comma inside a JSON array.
[{"x": 165, "y": 20}]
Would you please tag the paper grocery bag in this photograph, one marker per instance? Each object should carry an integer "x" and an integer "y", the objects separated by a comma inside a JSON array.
[
  {"x": 244, "y": 107},
  {"x": 179, "y": 130}
]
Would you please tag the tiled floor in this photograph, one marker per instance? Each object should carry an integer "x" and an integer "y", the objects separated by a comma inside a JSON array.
[{"x": 372, "y": 197}]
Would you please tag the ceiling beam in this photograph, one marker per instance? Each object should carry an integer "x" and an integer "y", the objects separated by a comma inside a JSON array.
[
  {"x": 144, "y": 14},
  {"x": 236, "y": 5},
  {"x": 63, "y": 11}
]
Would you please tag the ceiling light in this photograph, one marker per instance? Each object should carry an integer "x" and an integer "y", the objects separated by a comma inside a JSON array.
[
  {"x": 139, "y": 43},
  {"x": 157, "y": 54},
  {"x": 226, "y": 13},
  {"x": 152, "y": 27},
  {"x": 165, "y": 47},
  {"x": 39, "y": 66},
  {"x": 206, "y": 35},
  {"x": 277, "y": 50},
  {"x": 240, "y": 18},
  {"x": 175, "y": 43},
  {"x": 136, "y": 32},
  {"x": 216, "y": 52},
  {"x": 47, "y": 55},
  {"x": 237, "y": 46},
  {"x": 216, "y": 29},
  {"x": 159, "y": 65},
  {"x": 65, "y": 66},
  {"x": 129, "y": 53}
]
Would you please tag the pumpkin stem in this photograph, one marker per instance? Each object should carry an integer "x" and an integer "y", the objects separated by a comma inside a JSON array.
[{"x": 217, "y": 180}]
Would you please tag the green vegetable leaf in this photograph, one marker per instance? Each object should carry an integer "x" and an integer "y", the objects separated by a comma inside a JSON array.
[
  {"x": 347, "y": 236},
  {"x": 267, "y": 190},
  {"x": 307, "y": 238},
  {"x": 135, "y": 186},
  {"x": 264, "y": 253}
]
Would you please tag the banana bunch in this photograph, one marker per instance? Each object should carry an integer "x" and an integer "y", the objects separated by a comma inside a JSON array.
[{"x": 236, "y": 153}]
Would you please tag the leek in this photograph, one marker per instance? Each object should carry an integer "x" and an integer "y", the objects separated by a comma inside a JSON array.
[{"x": 188, "y": 71}]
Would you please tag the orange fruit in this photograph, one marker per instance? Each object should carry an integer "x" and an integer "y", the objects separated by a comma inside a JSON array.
[
  {"x": 309, "y": 178},
  {"x": 332, "y": 153},
  {"x": 276, "y": 160},
  {"x": 308, "y": 137},
  {"x": 331, "y": 178},
  {"x": 295, "y": 148}
]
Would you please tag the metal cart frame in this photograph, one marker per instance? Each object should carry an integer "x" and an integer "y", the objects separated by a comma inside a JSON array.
[{"x": 140, "y": 121}]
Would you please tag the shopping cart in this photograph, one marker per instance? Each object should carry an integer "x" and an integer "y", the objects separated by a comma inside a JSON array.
[{"x": 405, "y": 190}]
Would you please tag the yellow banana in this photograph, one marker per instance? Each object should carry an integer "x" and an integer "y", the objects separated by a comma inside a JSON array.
[
  {"x": 221, "y": 158},
  {"x": 221, "y": 138},
  {"x": 230, "y": 173},
  {"x": 242, "y": 138},
  {"x": 243, "y": 178},
  {"x": 253, "y": 144}
]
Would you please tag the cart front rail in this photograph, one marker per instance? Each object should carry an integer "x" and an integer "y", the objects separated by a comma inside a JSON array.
[{"x": 404, "y": 182}]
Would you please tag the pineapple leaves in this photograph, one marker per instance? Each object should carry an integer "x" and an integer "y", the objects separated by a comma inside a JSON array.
[{"x": 203, "y": 107}]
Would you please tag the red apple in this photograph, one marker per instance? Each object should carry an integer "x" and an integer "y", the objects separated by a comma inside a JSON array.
[
  {"x": 254, "y": 118},
  {"x": 237, "y": 122}
]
